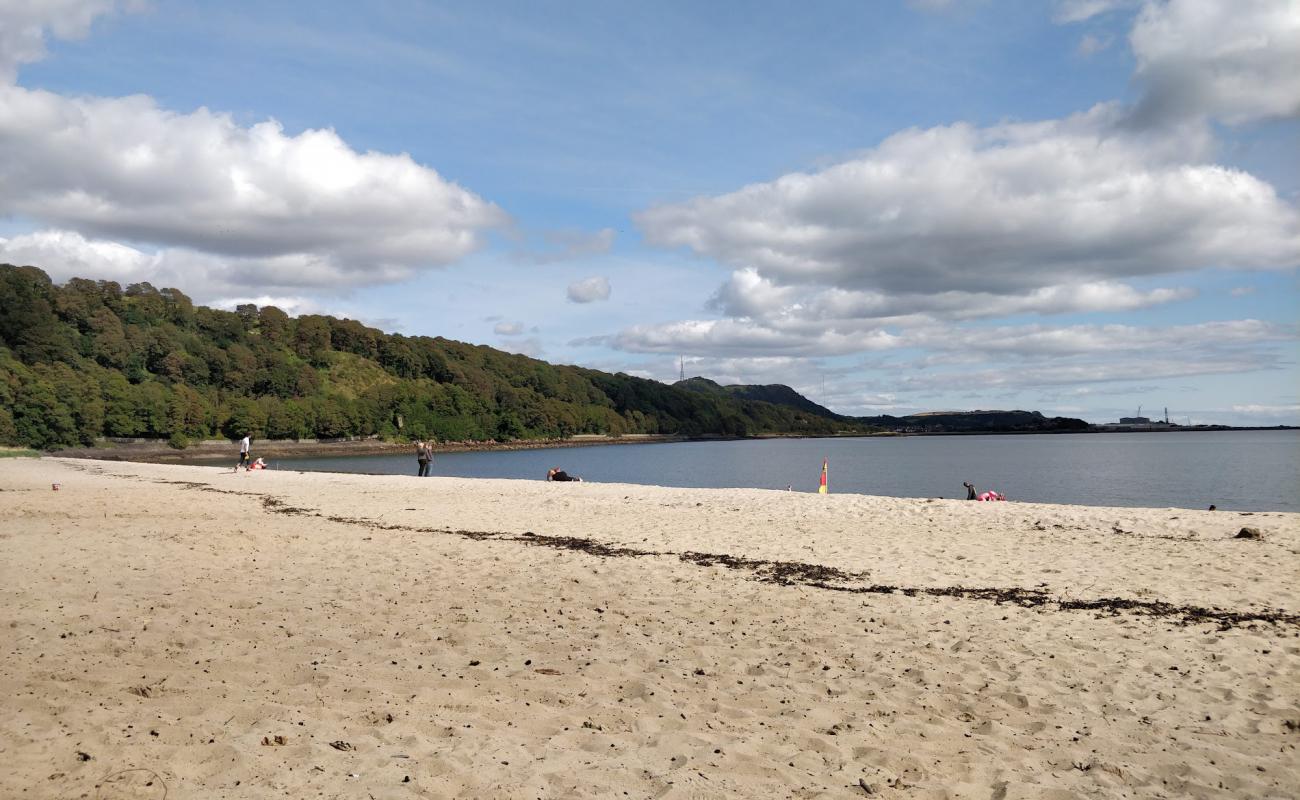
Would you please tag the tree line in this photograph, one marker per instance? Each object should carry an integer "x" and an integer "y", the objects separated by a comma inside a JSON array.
[{"x": 89, "y": 359}]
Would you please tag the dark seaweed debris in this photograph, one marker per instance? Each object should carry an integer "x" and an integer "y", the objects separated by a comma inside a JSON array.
[
  {"x": 276, "y": 506},
  {"x": 818, "y": 576},
  {"x": 785, "y": 573}
]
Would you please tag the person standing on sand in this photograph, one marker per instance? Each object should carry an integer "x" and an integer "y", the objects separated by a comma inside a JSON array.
[
  {"x": 423, "y": 457},
  {"x": 243, "y": 453},
  {"x": 970, "y": 490}
]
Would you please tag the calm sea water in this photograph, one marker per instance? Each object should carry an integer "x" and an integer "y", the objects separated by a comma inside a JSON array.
[{"x": 1241, "y": 470}]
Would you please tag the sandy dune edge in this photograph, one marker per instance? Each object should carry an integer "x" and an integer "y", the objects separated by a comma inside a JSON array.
[{"x": 520, "y": 639}]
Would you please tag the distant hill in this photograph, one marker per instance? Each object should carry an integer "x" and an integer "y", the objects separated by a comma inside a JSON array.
[
  {"x": 922, "y": 422},
  {"x": 974, "y": 422},
  {"x": 775, "y": 393}
]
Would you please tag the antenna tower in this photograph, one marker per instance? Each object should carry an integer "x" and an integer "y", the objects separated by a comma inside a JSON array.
[{"x": 682, "y": 360}]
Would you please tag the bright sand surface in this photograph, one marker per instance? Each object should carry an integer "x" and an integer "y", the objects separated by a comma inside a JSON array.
[{"x": 163, "y": 625}]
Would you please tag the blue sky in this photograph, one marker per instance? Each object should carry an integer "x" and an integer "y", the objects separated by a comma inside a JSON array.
[{"x": 1075, "y": 207}]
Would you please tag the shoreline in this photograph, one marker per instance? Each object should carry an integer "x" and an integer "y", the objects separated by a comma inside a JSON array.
[{"x": 159, "y": 452}]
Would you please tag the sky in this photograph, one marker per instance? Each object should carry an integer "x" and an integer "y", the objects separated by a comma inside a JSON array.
[{"x": 1078, "y": 207}]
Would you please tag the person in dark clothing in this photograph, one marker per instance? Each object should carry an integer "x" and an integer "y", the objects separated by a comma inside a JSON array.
[
  {"x": 557, "y": 474},
  {"x": 970, "y": 490},
  {"x": 423, "y": 455}
]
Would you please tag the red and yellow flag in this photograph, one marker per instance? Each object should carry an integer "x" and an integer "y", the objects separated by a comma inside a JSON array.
[{"x": 823, "y": 489}]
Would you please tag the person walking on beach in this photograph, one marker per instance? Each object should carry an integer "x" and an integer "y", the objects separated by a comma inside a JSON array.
[
  {"x": 243, "y": 453},
  {"x": 970, "y": 490},
  {"x": 423, "y": 456}
]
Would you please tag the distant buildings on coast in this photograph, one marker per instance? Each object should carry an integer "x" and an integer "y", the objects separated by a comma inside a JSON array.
[
  {"x": 1144, "y": 424},
  {"x": 1141, "y": 423}
]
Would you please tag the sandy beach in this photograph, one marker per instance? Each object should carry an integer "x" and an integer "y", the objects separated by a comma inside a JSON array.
[{"x": 191, "y": 632}]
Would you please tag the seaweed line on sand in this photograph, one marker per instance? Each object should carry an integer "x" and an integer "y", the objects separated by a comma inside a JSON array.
[{"x": 817, "y": 576}]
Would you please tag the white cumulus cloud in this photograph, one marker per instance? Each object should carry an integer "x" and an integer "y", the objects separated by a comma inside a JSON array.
[
  {"x": 589, "y": 290},
  {"x": 1235, "y": 61},
  {"x": 128, "y": 190},
  {"x": 205, "y": 276},
  {"x": 321, "y": 213},
  {"x": 1011, "y": 208},
  {"x": 748, "y": 294},
  {"x": 25, "y": 25}
]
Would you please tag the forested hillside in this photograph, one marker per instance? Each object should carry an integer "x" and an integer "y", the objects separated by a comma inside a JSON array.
[{"x": 89, "y": 359}]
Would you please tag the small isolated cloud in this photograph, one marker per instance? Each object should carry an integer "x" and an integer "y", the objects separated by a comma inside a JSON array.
[
  {"x": 589, "y": 290},
  {"x": 1242, "y": 291},
  {"x": 509, "y": 329},
  {"x": 1236, "y": 62},
  {"x": 1091, "y": 44}
]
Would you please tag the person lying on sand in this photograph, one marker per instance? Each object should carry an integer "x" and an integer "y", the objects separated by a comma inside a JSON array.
[{"x": 557, "y": 474}]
